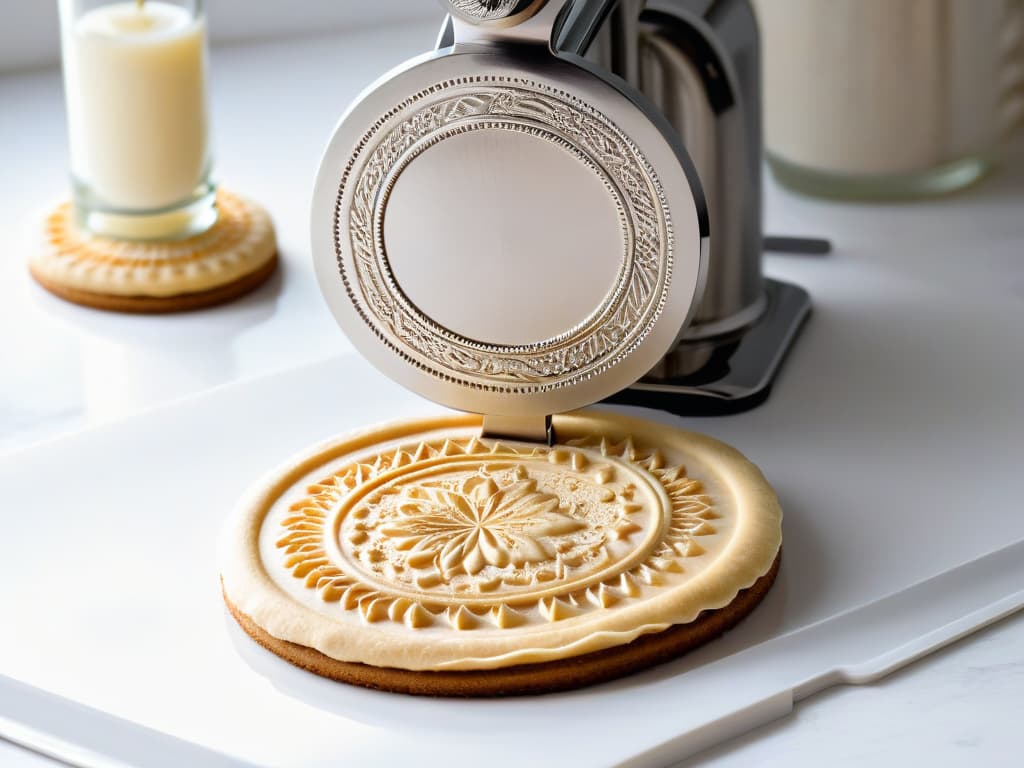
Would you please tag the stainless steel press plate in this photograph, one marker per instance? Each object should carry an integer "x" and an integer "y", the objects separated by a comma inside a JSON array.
[{"x": 506, "y": 232}]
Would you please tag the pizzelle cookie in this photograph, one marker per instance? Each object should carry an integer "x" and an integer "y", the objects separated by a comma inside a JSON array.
[
  {"x": 235, "y": 256},
  {"x": 420, "y": 558}
]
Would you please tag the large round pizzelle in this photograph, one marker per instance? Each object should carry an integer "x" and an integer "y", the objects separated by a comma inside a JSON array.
[{"x": 421, "y": 547}]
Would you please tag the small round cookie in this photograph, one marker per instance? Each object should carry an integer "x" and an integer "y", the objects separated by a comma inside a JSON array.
[
  {"x": 419, "y": 557},
  {"x": 236, "y": 255}
]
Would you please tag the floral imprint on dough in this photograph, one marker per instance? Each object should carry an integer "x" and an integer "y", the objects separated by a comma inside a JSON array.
[
  {"x": 474, "y": 533},
  {"x": 479, "y": 524}
]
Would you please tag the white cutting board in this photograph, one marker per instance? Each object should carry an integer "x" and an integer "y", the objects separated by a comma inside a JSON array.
[{"x": 894, "y": 440}]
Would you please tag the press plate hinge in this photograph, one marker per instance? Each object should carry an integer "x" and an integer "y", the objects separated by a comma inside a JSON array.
[{"x": 530, "y": 429}]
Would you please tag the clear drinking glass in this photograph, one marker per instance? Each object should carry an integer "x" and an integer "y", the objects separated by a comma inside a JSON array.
[
  {"x": 876, "y": 98},
  {"x": 135, "y": 81}
]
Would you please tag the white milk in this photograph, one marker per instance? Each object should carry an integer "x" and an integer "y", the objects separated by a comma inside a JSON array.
[
  {"x": 135, "y": 77},
  {"x": 883, "y": 86}
]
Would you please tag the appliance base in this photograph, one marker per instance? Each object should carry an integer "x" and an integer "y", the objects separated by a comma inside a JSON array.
[{"x": 728, "y": 374}]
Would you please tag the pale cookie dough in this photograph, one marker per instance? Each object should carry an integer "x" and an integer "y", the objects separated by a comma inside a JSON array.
[
  {"x": 419, "y": 546},
  {"x": 238, "y": 251}
]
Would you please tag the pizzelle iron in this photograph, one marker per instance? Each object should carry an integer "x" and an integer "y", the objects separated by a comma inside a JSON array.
[
  {"x": 511, "y": 230},
  {"x": 508, "y": 226}
]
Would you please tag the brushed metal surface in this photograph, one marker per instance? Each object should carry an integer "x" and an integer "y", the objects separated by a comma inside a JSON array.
[
  {"x": 625, "y": 281},
  {"x": 496, "y": 207},
  {"x": 699, "y": 64}
]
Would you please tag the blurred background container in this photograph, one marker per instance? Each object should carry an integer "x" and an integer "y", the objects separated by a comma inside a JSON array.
[{"x": 875, "y": 98}]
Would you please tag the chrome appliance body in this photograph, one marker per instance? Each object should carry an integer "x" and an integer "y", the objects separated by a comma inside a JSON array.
[{"x": 697, "y": 62}]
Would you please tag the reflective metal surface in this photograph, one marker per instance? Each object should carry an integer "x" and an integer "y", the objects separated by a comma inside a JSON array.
[
  {"x": 727, "y": 374},
  {"x": 508, "y": 231},
  {"x": 504, "y": 233},
  {"x": 698, "y": 63}
]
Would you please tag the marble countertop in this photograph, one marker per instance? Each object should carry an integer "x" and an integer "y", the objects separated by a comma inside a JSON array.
[{"x": 66, "y": 368}]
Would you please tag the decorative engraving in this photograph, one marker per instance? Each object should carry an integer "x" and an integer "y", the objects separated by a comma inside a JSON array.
[
  {"x": 512, "y": 104},
  {"x": 486, "y": 10},
  {"x": 468, "y": 534}
]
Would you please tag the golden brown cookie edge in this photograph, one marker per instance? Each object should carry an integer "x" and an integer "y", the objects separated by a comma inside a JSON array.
[
  {"x": 152, "y": 305},
  {"x": 527, "y": 679}
]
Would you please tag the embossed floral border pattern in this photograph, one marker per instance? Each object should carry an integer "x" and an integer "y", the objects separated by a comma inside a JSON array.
[
  {"x": 310, "y": 523},
  {"x": 514, "y": 104}
]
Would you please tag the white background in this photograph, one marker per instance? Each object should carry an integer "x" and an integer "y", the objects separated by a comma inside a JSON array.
[
  {"x": 29, "y": 34},
  {"x": 63, "y": 368}
]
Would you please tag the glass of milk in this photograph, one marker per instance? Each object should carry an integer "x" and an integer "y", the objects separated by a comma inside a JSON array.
[
  {"x": 135, "y": 81},
  {"x": 888, "y": 98}
]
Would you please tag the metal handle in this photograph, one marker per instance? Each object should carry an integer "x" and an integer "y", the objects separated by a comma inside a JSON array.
[{"x": 497, "y": 21}]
